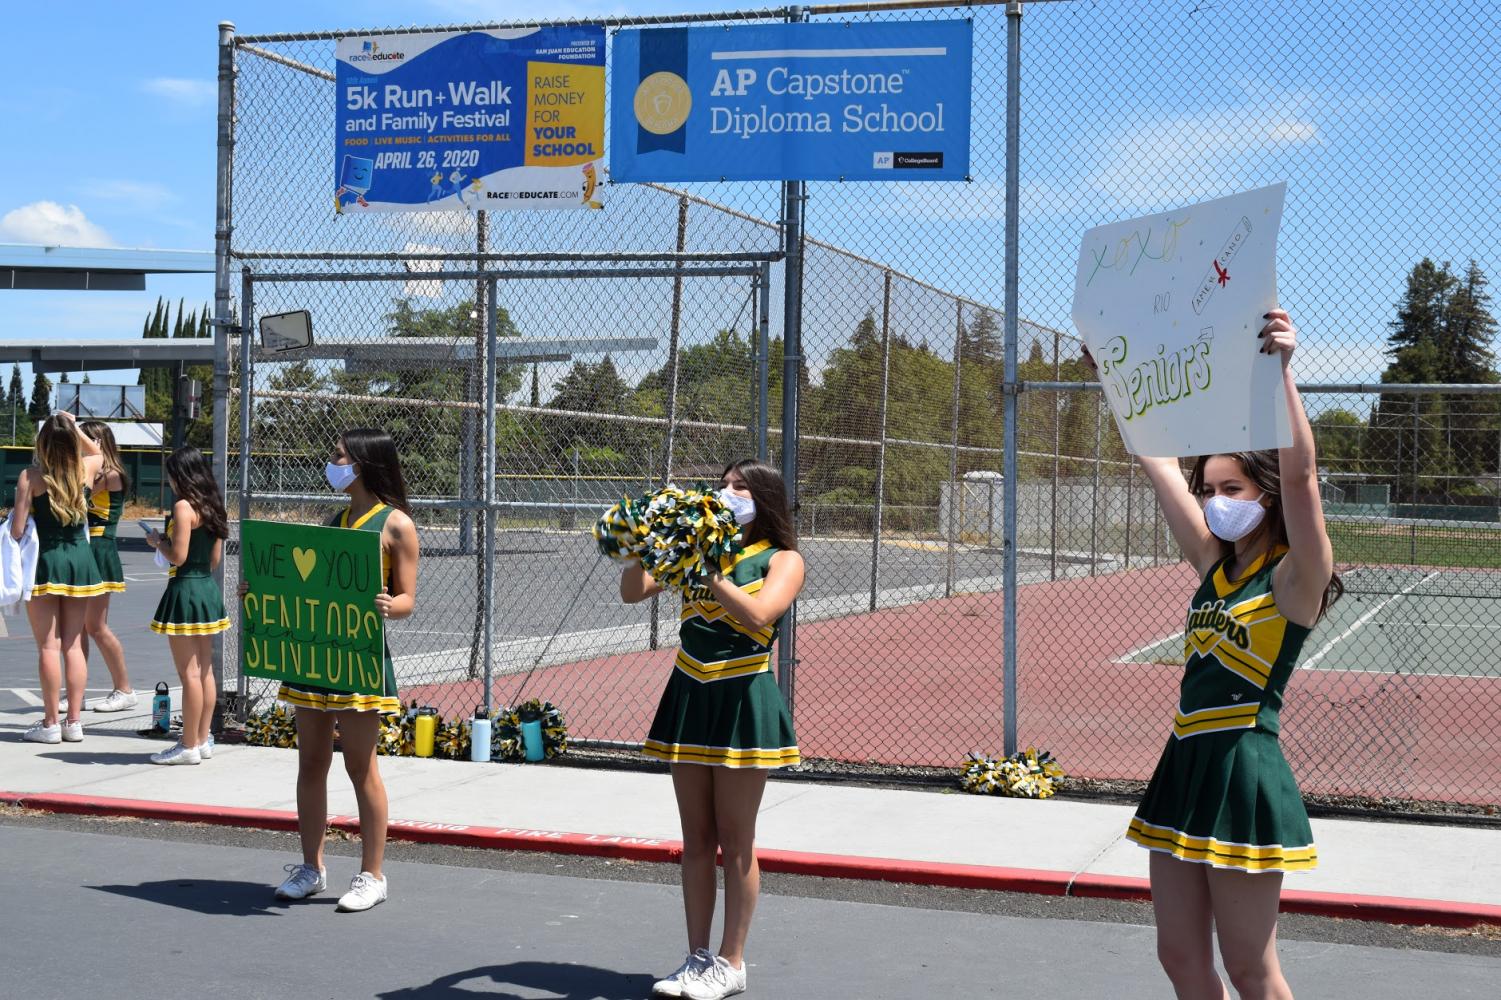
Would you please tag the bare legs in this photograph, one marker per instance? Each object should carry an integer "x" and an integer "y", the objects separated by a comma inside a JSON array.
[
  {"x": 315, "y": 753},
  {"x": 1195, "y": 903},
  {"x": 96, "y": 625},
  {"x": 57, "y": 624},
  {"x": 194, "y": 658},
  {"x": 717, "y": 807}
]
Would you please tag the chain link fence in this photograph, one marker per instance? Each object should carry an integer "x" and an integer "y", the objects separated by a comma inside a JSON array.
[{"x": 645, "y": 343}]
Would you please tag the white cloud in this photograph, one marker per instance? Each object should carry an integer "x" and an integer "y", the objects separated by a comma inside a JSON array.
[
  {"x": 51, "y": 224},
  {"x": 138, "y": 196},
  {"x": 183, "y": 92}
]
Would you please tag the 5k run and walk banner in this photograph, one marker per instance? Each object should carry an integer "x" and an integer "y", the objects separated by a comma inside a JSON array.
[{"x": 460, "y": 121}]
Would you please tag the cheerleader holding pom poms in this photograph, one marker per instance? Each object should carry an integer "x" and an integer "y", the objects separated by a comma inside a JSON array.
[
  {"x": 191, "y": 612},
  {"x": 721, "y": 722},
  {"x": 365, "y": 466},
  {"x": 1222, "y": 814}
]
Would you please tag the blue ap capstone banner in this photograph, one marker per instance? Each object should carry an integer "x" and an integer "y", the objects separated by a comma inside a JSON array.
[
  {"x": 459, "y": 121},
  {"x": 886, "y": 101}
]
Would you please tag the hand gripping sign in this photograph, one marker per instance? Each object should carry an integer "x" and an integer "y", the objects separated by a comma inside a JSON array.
[{"x": 1170, "y": 305}]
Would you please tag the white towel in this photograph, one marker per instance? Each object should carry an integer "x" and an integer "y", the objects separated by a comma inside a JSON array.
[{"x": 17, "y": 563}]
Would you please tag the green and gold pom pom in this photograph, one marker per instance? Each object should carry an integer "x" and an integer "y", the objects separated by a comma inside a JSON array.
[
  {"x": 275, "y": 727},
  {"x": 452, "y": 740},
  {"x": 505, "y": 739},
  {"x": 1025, "y": 774},
  {"x": 680, "y": 536},
  {"x": 395, "y": 730}
]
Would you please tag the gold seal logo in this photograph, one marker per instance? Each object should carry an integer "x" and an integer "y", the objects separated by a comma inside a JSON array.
[{"x": 663, "y": 102}]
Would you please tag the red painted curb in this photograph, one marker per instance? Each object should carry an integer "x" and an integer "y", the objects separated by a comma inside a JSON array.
[{"x": 1382, "y": 909}]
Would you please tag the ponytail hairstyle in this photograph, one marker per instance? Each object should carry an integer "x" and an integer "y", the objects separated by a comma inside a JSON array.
[
  {"x": 61, "y": 462},
  {"x": 773, "y": 521},
  {"x": 193, "y": 481},
  {"x": 1265, "y": 470},
  {"x": 99, "y": 432},
  {"x": 374, "y": 451}
]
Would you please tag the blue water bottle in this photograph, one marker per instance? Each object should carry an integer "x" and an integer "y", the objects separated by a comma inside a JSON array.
[
  {"x": 161, "y": 708},
  {"x": 479, "y": 736}
]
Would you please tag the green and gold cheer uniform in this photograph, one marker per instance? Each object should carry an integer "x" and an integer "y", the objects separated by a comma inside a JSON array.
[
  {"x": 105, "y": 507},
  {"x": 64, "y": 565},
  {"x": 722, "y": 706},
  {"x": 1223, "y": 794},
  {"x": 346, "y": 701},
  {"x": 192, "y": 604}
]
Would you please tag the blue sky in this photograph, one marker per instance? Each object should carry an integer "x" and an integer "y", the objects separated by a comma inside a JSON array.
[{"x": 1383, "y": 124}]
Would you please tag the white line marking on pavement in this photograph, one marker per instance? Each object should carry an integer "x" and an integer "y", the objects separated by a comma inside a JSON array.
[
  {"x": 1316, "y": 657},
  {"x": 27, "y": 697}
]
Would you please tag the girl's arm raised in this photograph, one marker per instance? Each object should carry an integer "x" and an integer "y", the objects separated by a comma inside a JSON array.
[
  {"x": 1304, "y": 574},
  {"x": 784, "y": 578},
  {"x": 636, "y": 584}
]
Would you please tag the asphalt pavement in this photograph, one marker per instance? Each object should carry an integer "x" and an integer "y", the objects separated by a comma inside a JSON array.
[{"x": 121, "y": 908}]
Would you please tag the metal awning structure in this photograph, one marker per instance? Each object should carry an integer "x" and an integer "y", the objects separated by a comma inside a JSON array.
[
  {"x": 60, "y": 268},
  {"x": 360, "y": 356}
]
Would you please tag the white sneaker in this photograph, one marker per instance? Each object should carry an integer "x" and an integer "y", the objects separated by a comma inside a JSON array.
[
  {"x": 176, "y": 754},
  {"x": 301, "y": 882},
  {"x": 115, "y": 701},
  {"x": 672, "y": 986},
  {"x": 206, "y": 749},
  {"x": 39, "y": 733},
  {"x": 365, "y": 891},
  {"x": 719, "y": 980},
  {"x": 72, "y": 731}
]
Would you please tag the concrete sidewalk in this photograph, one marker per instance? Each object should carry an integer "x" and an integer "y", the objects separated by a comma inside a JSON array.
[{"x": 1399, "y": 872}]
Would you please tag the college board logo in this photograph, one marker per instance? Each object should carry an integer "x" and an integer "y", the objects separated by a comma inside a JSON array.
[{"x": 663, "y": 102}]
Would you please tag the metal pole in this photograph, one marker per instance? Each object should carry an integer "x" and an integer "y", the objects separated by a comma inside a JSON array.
[
  {"x": 753, "y": 338},
  {"x": 763, "y": 373},
  {"x": 472, "y": 454},
  {"x": 875, "y": 531},
  {"x": 487, "y": 560},
  {"x": 954, "y": 496},
  {"x": 1013, "y": 187},
  {"x": 223, "y": 226},
  {"x": 674, "y": 331},
  {"x": 247, "y": 417},
  {"x": 1130, "y": 496},
  {"x": 1057, "y": 443},
  {"x": 794, "y": 196},
  {"x": 1094, "y": 497}
]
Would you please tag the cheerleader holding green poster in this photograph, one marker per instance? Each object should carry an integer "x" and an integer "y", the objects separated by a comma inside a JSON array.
[
  {"x": 722, "y": 723},
  {"x": 1222, "y": 814}
]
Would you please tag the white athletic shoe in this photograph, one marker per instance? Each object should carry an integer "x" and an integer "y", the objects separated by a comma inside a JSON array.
[
  {"x": 301, "y": 882},
  {"x": 72, "y": 731},
  {"x": 206, "y": 749},
  {"x": 176, "y": 754},
  {"x": 672, "y": 986},
  {"x": 39, "y": 733},
  {"x": 365, "y": 891},
  {"x": 115, "y": 701},
  {"x": 719, "y": 980}
]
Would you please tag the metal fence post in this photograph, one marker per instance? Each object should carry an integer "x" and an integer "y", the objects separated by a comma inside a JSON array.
[
  {"x": 472, "y": 459},
  {"x": 223, "y": 318},
  {"x": 487, "y": 562},
  {"x": 955, "y": 499},
  {"x": 763, "y": 368},
  {"x": 875, "y": 531},
  {"x": 247, "y": 417},
  {"x": 1013, "y": 202},
  {"x": 1057, "y": 444},
  {"x": 674, "y": 332},
  {"x": 794, "y": 194},
  {"x": 1094, "y": 497}
]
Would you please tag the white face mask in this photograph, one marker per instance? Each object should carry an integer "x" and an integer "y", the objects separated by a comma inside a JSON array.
[
  {"x": 743, "y": 507},
  {"x": 1232, "y": 520},
  {"x": 339, "y": 476}
]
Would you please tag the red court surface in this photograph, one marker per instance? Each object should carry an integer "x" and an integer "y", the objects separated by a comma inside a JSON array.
[{"x": 921, "y": 684}]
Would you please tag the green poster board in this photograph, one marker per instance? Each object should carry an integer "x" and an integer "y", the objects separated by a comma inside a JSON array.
[{"x": 309, "y": 614}]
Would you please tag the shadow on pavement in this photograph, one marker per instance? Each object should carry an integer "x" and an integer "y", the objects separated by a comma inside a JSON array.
[
  {"x": 85, "y": 757},
  {"x": 568, "y": 982},
  {"x": 211, "y": 897}
]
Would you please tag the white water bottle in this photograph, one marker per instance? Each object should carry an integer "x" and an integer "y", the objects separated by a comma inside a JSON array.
[{"x": 479, "y": 737}]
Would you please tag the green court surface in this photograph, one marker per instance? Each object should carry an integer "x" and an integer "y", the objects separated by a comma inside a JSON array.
[{"x": 1395, "y": 620}]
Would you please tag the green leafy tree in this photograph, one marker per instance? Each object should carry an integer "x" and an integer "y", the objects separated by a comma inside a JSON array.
[{"x": 41, "y": 398}]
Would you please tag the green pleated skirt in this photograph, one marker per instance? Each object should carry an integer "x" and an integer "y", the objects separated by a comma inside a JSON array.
[
  {"x": 738, "y": 721},
  {"x": 192, "y": 605},
  {"x": 1228, "y": 800},
  {"x": 323, "y": 700},
  {"x": 106, "y": 552},
  {"x": 67, "y": 570}
]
